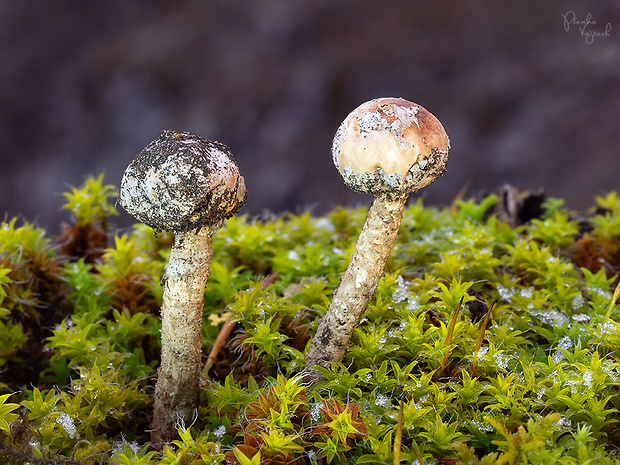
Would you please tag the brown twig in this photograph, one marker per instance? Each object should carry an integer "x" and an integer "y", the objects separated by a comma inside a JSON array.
[{"x": 229, "y": 326}]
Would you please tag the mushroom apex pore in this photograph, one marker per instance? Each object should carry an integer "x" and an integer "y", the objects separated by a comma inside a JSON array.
[
  {"x": 182, "y": 182},
  {"x": 390, "y": 145}
]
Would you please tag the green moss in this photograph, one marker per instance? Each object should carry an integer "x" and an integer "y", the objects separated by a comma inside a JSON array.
[{"x": 79, "y": 340}]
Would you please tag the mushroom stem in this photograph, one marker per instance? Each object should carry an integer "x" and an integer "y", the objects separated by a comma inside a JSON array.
[
  {"x": 178, "y": 377},
  {"x": 358, "y": 285}
]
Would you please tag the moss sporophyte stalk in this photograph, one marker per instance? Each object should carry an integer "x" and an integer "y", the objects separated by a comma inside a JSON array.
[{"x": 487, "y": 340}]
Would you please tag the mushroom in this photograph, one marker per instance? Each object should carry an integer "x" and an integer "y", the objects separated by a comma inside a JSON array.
[
  {"x": 188, "y": 185},
  {"x": 388, "y": 147}
]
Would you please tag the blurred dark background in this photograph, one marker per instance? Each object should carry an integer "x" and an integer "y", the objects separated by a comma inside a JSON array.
[{"x": 85, "y": 85}]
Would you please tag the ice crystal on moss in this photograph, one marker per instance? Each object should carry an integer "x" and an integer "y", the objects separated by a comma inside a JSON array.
[
  {"x": 541, "y": 393},
  {"x": 565, "y": 343},
  {"x": 581, "y": 317},
  {"x": 315, "y": 412},
  {"x": 401, "y": 293},
  {"x": 607, "y": 328},
  {"x": 119, "y": 445},
  {"x": 413, "y": 304},
  {"x": 482, "y": 426},
  {"x": 505, "y": 293},
  {"x": 501, "y": 360},
  {"x": 604, "y": 293},
  {"x": 553, "y": 317},
  {"x": 578, "y": 302},
  {"x": 564, "y": 422},
  {"x": 383, "y": 401},
  {"x": 557, "y": 356},
  {"x": 609, "y": 368},
  {"x": 67, "y": 424}
]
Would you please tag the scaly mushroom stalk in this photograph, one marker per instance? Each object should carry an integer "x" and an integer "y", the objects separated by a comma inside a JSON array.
[
  {"x": 189, "y": 185},
  {"x": 178, "y": 381},
  {"x": 388, "y": 147},
  {"x": 360, "y": 281}
]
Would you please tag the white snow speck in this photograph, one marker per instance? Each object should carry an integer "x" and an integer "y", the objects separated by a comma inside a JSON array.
[
  {"x": 505, "y": 293},
  {"x": 581, "y": 318},
  {"x": 67, "y": 423},
  {"x": 325, "y": 224},
  {"x": 564, "y": 422},
  {"x": 482, "y": 426},
  {"x": 565, "y": 343},
  {"x": 557, "y": 356},
  {"x": 578, "y": 302},
  {"x": 482, "y": 352},
  {"x": 220, "y": 431},
  {"x": 292, "y": 255},
  {"x": 134, "y": 446},
  {"x": 501, "y": 360},
  {"x": 602, "y": 292},
  {"x": 401, "y": 294},
  {"x": 383, "y": 401},
  {"x": 551, "y": 317},
  {"x": 413, "y": 304},
  {"x": 315, "y": 413},
  {"x": 607, "y": 327}
]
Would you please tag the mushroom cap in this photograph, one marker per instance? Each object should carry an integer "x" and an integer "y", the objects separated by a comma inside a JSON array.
[
  {"x": 182, "y": 182},
  {"x": 390, "y": 146}
]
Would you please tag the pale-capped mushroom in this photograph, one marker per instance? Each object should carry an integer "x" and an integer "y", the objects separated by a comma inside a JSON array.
[{"x": 388, "y": 147}]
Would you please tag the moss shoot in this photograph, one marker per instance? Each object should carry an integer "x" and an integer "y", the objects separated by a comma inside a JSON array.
[{"x": 531, "y": 379}]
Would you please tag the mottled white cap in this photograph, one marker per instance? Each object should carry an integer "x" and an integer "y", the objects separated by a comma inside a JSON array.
[
  {"x": 390, "y": 146},
  {"x": 182, "y": 182}
]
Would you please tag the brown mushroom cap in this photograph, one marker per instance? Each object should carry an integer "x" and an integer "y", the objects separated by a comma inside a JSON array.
[
  {"x": 390, "y": 145},
  {"x": 182, "y": 182}
]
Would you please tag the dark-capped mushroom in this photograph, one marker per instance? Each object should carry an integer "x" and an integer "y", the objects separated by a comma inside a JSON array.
[
  {"x": 388, "y": 147},
  {"x": 188, "y": 185}
]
